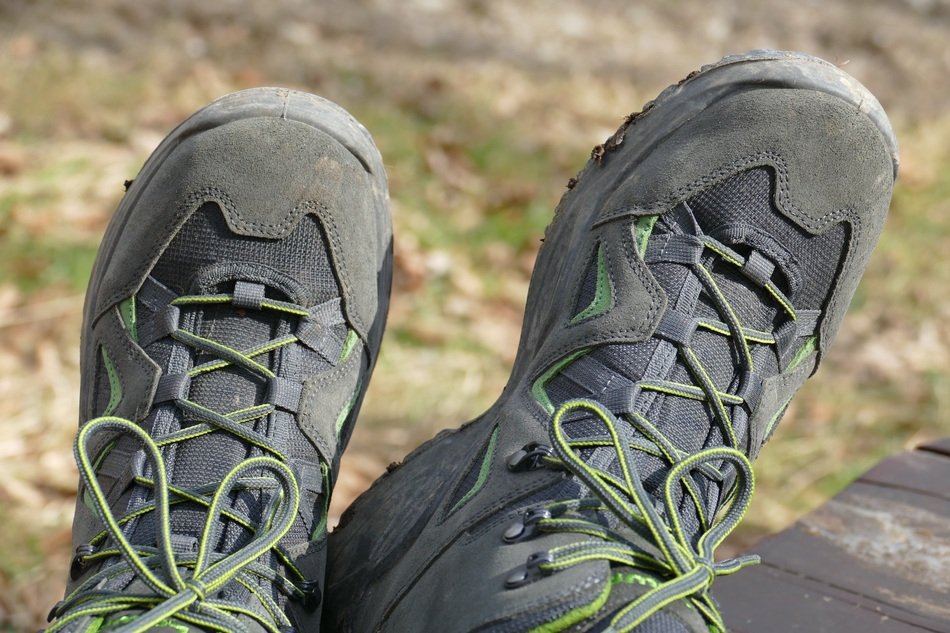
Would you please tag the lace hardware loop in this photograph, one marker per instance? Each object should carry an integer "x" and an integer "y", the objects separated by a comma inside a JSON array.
[
  {"x": 530, "y": 457},
  {"x": 312, "y": 595},
  {"x": 527, "y": 526},
  {"x": 758, "y": 268},
  {"x": 54, "y": 612},
  {"x": 531, "y": 570},
  {"x": 750, "y": 390},
  {"x": 248, "y": 295},
  {"x": 78, "y": 565}
]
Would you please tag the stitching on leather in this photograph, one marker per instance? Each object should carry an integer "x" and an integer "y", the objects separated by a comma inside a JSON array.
[
  {"x": 649, "y": 284},
  {"x": 313, "y": 392},
  {"x": 337, "y": 256},
  {"x": 133, "y": 353},
  {"x": 579, "y": 282}
]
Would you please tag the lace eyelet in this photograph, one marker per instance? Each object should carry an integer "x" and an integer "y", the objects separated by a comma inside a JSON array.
[
  {"x": 54, "y": 612},
  {"x": 78, "y": 565},
  {"x": 531, "y": 571},
  {"x": 530, "y": 457},
  {"x": 527, "y": 527},
  {"x": 312, "y": 595}
]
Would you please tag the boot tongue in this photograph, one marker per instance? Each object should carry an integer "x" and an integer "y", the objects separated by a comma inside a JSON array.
[
  {"x": 200, "y": 463},
  {"x": 687, "y": 423},
  {"x": 232, "y": 388},
  {"x": 204, "y": 259},
  {"x": 209, "y": 458}
]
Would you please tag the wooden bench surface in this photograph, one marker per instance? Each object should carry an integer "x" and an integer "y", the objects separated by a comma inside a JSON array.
[{"x": 874, "y": 559}]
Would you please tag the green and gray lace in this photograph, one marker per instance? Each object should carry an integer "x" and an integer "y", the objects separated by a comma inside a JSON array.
[
  {"x": 682, "y": 559},
  {"x": 169, "y": 593},
  {"x": 690, "y": 569}
]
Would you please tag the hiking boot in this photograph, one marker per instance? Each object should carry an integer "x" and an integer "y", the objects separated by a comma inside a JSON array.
[
  {"x": 692, "y": 279},
  {"x": 231, "y": 325}
]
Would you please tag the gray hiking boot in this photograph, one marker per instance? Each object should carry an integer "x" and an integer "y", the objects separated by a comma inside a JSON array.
[
  {"x": 691, "y": 281},
  {"x": 231, "y": 325}
]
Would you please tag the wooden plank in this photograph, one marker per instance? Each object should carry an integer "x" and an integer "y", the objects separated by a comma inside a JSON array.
[
  {"x": 919, "y": 471},
  {"x": 941, "y": 447},
  {"x": 890, "y": 546},
  {"x": 764, "y": 599},
  {"x": 881, "y": 547}
]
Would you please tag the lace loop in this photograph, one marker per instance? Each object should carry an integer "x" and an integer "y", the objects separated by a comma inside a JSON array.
[
  {"x": 170, "y": 592},
  {"x": 174, "y": 592},
  {"x": 625, "y": 524},
  {"x": 691, "y": 569}
]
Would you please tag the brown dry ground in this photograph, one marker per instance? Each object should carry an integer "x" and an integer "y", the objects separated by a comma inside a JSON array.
[{"x": 483, "y": 110}]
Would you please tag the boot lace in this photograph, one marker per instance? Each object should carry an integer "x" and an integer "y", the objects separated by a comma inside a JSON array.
[
  {"x": 183, "y": 586},
  {"x": 664, "y": 546}
]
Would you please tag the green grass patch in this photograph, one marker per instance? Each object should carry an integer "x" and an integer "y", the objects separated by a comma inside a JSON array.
[
  {"x": 33, "y": 264},
  {"x": 58, "y": 94}
]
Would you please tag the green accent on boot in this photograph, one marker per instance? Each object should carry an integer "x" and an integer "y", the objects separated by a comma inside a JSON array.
[
  {"x": 809, "y": 346},
  {"x": 811, "y": 343},
  {"x": 127, "y": 312},
  {"x": 644, "y": 228},
  {"x": 483, "y": 471},
  {"x": 345, "y": 411},
  {"x": 603, "y": 295},
  {"x": 348, "y": 344},
  {"x": 321, "y": 527},
  {"x": 579, "y": 614},
  {"x": 115, "y": 384},
  {"x": 630, "y": 578},
  {"x": 538, "y": 389}
]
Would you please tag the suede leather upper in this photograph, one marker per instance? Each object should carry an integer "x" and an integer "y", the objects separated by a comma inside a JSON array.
[
  {"x": 426, "y": 563},
  {"x": 282, "y": 181}
]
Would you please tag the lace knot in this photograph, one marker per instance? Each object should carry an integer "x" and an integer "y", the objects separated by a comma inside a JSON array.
[
  {"x": 195, "y": 586},
  {"x": 709, "y": 570},
  {"x": 688, "y": 565}
]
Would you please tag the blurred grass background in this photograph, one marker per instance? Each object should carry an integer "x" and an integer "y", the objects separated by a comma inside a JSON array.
[{"x": 482, "y": 110}]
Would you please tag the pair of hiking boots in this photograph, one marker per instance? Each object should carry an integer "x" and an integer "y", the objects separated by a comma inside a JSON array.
[{"x": 693, "y": 276}]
